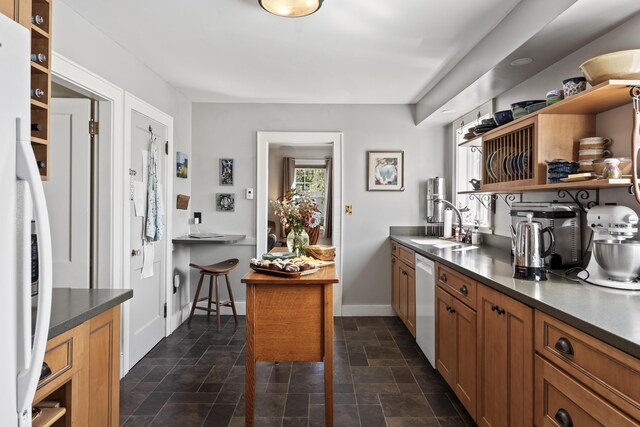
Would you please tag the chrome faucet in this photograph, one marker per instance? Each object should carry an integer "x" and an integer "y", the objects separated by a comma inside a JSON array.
[{"x": 455, "y": 209}]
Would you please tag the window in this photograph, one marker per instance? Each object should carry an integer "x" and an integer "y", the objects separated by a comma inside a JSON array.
[
  {"x": 311, "y": 180},
  {"x": 476, "y": 208}
]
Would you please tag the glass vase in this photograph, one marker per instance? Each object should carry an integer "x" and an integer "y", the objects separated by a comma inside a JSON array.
[{"x": 297, "y": 239}]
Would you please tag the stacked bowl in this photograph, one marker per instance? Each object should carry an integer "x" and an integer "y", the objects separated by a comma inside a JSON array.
[
  {"x": 558, "y": 169},
  {"x": 593, "y": 149}
]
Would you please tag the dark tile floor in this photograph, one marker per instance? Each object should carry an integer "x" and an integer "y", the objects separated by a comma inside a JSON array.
[{"x": 195, "y": 377}]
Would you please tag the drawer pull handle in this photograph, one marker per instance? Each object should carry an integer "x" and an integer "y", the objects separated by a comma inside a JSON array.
[
  {"x": 563, "y": 417},
  {"x": 494, "y": 307},
  {"x": 464, "y": 290},
  {"x": 448, "y": 308},
  {"x": 45, "y": 372},
  {"x": 443, "y": 278},
  {"x": 564, "y": 346}
]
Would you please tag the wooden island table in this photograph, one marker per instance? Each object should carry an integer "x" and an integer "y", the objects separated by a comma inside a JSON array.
[{"x": 290, "y": 320}]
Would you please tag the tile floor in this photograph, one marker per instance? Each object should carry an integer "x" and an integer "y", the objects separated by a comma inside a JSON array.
[{"x": 195, "y": 377}]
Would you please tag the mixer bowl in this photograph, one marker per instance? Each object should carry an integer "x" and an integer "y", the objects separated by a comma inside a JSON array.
[{"x": 619, "y": 259}]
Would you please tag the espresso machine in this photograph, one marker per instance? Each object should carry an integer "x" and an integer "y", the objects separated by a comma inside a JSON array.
[
  {"x": 615, "y": 258},
  {"x": 436, "y": 190}
]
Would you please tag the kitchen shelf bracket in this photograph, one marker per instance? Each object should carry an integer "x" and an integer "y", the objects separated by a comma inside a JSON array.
[
  {"x": 485, "y": 200},
  {"x": 508, "y": 198},
  {"x": 580, "y": 196}
]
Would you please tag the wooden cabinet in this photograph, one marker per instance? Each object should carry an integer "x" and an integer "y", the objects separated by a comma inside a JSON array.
[
  {"x": 85, "y": 378},
  {"x": 586, "y": 371},
  {"x": 456, "y": 347},
  {"x": 505, "y": 360},
  {"x": 403, "y": 285},
  {"x": 36, "y": 16}
]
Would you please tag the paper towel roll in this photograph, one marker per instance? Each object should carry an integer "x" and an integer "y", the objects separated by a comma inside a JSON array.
[{"x": 448, "y": 219}]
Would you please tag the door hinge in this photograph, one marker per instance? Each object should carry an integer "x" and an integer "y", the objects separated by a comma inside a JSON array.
[
  {"x": 166, "y": 147},
  {"x": 165, "y": 310},
  {"x": 93, "y": 128}
]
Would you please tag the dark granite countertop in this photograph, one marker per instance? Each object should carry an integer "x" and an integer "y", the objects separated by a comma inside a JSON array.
[
  {"x": 71, "y": 307},
  {"x": 610, "y": 315}
]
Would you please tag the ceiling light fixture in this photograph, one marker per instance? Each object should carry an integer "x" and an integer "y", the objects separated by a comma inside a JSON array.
[
  {"x": 291, "y": 8},
  {"x": 521, "y": 61}
]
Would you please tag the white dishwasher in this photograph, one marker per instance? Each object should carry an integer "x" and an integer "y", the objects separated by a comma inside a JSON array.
[{"x": 425, "y": 307}]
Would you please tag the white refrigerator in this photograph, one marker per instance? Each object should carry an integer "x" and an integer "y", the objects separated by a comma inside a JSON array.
[{"x": 21, "y": 200}]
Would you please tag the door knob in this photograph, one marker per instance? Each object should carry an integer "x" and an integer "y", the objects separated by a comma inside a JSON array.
[
  {"x": 136, "y": 252},
  {"x": 464, "y": 290}
]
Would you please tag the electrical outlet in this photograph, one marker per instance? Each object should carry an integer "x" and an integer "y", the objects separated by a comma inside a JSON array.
[
  {"x": 348, "y": 209},
  {"x": 249, "y": 193},
  {"x": 197, "y": 217}
]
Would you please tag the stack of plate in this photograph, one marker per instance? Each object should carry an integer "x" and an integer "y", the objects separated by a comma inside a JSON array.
[
  {"x": 485, "y": 126},
  {"x": 559, "y": 168},
  {"x": 506, "y": 164}
]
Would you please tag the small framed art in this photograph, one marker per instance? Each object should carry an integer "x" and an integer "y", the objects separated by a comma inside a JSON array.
[
  {"x": 225, "y": 202},
  {"x": 226, "y": 171},
  {"x": 182, "y": 165},
  {"x": 385, "y": 170}
]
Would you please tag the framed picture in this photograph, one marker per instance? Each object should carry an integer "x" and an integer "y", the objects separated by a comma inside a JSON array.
[
  {"x": 225, "y": 202},
  {"x": 226, "y": 171},
  {"x": 182, "y": 164},
  {"x": 385, "y": 170}
]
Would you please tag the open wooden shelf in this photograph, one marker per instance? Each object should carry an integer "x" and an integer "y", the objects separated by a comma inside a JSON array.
[
  {"x": 49, "y": 416},
  {"x": 594, "y": 184},
  {"x": 603, "y": 97}
]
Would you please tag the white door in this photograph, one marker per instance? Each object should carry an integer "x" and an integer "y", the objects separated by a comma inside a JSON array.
[
  {"x": 147, "y": 321},
  {"x": 67, "y": 191}
]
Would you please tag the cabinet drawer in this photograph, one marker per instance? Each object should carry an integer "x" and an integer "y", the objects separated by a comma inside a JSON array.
[
  {"x": 395, "y": 248},
  {"x": 407, "y": 256},
  {"x": 59, "y": 357},
  {"x": 562, "y": 401},
  {"x": 610, "y": 372},
  {"x": 459, "y": 285}
]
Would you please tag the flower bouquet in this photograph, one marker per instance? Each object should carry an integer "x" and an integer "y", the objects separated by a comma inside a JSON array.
[{"x": 296, "y": 211}]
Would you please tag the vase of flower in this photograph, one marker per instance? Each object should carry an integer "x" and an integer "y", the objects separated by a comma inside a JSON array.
[{"x": 297, "y": 239}]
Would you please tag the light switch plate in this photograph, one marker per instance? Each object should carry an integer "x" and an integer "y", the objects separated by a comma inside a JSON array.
[{"x": 249, "y": 193}]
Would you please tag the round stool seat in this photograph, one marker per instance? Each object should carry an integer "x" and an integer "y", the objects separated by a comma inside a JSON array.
[{"x": 221, "y": 267}]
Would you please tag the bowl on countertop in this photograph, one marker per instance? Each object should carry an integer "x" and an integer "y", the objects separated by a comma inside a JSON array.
[
  {"x": 503, "y": 117},
  {"x": 622, "y": 65},
  {"x": 573, "y": 86},
  {"x": 619, "y": 259}
]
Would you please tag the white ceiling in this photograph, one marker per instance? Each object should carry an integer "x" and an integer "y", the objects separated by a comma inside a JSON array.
[{"x": 349, "y": 52}]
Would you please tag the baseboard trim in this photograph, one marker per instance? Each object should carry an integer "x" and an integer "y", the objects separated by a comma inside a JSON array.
[{"x": 367, "y": 310}]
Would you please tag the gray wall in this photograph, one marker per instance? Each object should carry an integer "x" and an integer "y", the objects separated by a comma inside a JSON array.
[
  {"x": 229, "y": 130},
  {"x": 79, "y": 41}
]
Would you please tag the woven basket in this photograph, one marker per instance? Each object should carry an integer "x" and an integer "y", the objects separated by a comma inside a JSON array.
[{"x": 321, "y": 252}]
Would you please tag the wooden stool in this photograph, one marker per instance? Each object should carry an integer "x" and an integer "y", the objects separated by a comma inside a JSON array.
[{"x": 213, "y": 271}]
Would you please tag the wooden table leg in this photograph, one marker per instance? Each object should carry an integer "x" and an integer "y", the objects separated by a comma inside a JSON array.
[
  {"x": 328, "y": 353},
  {"x": 250, "y": 370}
]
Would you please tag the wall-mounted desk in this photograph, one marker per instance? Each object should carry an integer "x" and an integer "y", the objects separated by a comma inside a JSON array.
[
  {"x": 220, "y": 239},
  {"x": 290, "y": 320}
]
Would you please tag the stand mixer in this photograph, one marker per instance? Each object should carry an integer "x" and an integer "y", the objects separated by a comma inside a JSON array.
[{"x": 615, "y": 260}]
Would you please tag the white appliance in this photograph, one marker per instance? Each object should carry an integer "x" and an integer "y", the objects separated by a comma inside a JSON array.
[
  {"x": 21, "y": 195},
  {"x": 426, "y": 307},
  {"x": 613, "y": 224}
]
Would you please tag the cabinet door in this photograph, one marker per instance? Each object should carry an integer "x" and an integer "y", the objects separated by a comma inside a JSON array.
[
  {"x": 395, "y": 284},
  {"x": 104, "y": 369},
  {"x": 445, "y": 336},
  {"x": 505, "y": 360},
  {"x": 411, "y": 300},
  {"x": 404, "y": 291},
  {"x": 465, "y": 356}
]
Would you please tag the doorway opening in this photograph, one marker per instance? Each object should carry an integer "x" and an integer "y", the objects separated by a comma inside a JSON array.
[{"x": 307, "y": 161}]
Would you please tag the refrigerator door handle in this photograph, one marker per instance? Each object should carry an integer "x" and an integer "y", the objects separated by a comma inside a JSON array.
[{"x": 28, "y": 378}]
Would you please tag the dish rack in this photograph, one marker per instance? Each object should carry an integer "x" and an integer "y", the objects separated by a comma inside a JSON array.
[{"x": 514, "y": 155}]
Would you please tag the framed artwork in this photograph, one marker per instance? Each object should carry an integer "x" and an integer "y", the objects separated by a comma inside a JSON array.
[
  {"x": 182, "y": 164},
  {"x": 225, "y": 202},
  {"x": 226, "y": 171},
  {"x": 385, "y": 170}
]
